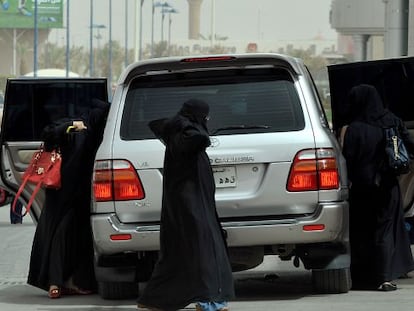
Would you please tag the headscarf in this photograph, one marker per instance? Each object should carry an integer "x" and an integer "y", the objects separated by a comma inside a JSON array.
[
  {"x": 365, "y": 105},
  {"x": 196, "y": 110}
]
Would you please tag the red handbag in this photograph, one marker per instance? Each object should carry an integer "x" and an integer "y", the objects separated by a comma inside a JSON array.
[{"x": 43, "y": 171}]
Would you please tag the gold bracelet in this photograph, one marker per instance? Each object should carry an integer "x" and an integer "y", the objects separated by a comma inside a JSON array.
[{"x": 70, "y": 128}]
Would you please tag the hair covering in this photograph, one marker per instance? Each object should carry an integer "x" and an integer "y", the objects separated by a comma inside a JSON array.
[
  {"x": 196, "y": 110},
  {"x": 193, "y": 111},
  {"x": 365, "y": 105}
]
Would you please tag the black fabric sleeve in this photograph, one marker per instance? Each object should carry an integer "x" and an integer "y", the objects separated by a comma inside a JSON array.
[
  {"x": 53, "y": 134},
  {"x": 193, "y": 138}
]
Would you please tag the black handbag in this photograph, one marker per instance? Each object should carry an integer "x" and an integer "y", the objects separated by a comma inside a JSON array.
[{"x": 397, "y": 158}]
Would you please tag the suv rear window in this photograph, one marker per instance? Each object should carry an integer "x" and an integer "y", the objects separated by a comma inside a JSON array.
[{"x": 241, "y": 101}]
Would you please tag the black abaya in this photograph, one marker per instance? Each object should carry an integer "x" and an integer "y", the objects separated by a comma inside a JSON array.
[
  {"x": 193, "y": 265},
  {"x": 380, "y": 247},
  {"x": 62, "y": 246}
]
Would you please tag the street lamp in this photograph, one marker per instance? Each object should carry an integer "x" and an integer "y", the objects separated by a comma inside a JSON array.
[
  {"x": 169, "y": 11},
  {"x": 36, "y": 39},
  {"x": 110, "y": 47},
  {"x": 140, "y": 31},
  {"x": 126, "y": 34},
  {"x": 97, "y": 37},
  {"x": 67, "y": 38},
  {"x": 213, "y": 22},
  {"x": 162, "y": 5}
]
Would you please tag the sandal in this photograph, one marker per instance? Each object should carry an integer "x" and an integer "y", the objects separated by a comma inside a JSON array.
[
  {"x": 75, "y": 291},
  {"x": 199, "y": 308},
  {"x": 387, "y": 287},
  {"x": 54, "y": 292}
]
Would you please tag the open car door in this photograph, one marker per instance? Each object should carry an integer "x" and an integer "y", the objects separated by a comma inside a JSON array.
[
  {"x": 394, "y": 80},
  {"x": 29, "y": 105}
]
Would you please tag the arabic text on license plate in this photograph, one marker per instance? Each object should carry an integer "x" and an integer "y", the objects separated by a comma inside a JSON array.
[{"x": 225, "y": 176}]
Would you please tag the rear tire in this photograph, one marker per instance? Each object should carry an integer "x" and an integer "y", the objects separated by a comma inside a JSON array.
[
  {"x": 335, "y": 281},
  {"x": 118, "y": 290}
]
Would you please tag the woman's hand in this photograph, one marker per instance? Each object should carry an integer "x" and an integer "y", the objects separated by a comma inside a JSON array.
[{"x": 79, "y": 126}]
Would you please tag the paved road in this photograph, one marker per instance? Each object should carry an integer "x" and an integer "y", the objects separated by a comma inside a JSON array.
[{"x": 257, "y": 289}]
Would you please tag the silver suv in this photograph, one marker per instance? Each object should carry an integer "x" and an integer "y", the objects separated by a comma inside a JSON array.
[{"x": 280, "y": 177}]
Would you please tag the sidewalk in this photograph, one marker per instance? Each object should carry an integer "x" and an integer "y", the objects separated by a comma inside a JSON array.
[{"x": 15, "y": 249}]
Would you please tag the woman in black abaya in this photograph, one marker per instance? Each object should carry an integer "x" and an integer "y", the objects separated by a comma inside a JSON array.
[
  {"x": 380, "y": 247},
  {"x": 61, "y": 261},
  {"x": 193, "y": 265}
]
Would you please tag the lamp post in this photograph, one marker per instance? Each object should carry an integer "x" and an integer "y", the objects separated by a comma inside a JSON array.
[
  {"x": 98, "y": 37},
  {"x": 162, "y": 5},
  {"x": 140, "y": 30},
  {"x": 36, "y": 38},
  {"x": 110, "y": 47},
  {"x": 213, "y": 23},
  {"x": 169, "y": 11},
  {"x": 138, "y": 35},
  {"x": 126, "y": 34},
  {"x": 67, "y": 39},
  {"x": 91, "y": 39},
  {"x": 152, "y": 27}
]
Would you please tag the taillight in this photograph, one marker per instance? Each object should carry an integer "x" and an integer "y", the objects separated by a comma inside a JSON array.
[
  {"x": 207, "y": 59},
  {"x": 314, "y": 169},
  {"x": 116, "y": 180}
]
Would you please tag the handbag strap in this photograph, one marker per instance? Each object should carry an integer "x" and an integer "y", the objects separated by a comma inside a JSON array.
[{"x": 32, "y": 197}]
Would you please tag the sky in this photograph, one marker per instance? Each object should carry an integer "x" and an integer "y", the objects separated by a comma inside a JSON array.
[{"x": 248, "y": 20}]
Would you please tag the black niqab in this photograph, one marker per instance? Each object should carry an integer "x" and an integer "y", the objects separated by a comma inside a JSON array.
[
  {"x": 62, "y": 246},
  {"x": 365, "y": 105},
  {"x": 380, "y": 248},
  {"x": 193, "y": 265}
]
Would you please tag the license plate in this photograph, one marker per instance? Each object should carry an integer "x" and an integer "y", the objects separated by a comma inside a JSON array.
[{"x": 225, "y": 176}]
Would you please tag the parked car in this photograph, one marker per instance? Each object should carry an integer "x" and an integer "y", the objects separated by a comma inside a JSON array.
[{"x": 280, "y": 176}]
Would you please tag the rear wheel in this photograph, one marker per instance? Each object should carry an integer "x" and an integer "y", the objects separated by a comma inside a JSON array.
[
  {"x": 335, "y": 281},
  {"x": 118, "y": 290}
]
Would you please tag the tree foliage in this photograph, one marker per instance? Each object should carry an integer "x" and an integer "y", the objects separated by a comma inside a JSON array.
[{"x": 54, "y": 56}]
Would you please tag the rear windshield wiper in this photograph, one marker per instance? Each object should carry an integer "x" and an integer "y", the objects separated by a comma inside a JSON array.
[{"x": 239, "y": 127}]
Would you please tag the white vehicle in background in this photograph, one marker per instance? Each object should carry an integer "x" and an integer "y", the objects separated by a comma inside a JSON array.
[{"x": 52, "y": 72}]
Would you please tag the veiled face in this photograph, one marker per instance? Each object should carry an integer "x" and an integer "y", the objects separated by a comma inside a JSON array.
[
  {"x": 196, "y": 110},
  {"x": 365, "y": 103}
]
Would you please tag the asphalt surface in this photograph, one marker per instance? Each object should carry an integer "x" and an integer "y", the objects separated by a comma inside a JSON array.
[{"x": 258, "y": 289}]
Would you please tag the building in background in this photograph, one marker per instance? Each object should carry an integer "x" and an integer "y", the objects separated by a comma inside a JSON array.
[{"x": 373, "y": 29}]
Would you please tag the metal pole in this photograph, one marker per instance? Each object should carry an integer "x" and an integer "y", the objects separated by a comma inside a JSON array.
[
  {"x": 14, "y": 51},
  {"x": 162, "y": 25},
  {"x": 152, "y": 29},
  {"x": 126, "y": 33},
  {"x": 136, "y": 13},
  {"x": 91, "y": 58},
  {"x": 67, "y": 38},
  {"x": 36, "y": 34},
  {"x": 213, "y": 23},
  {"x": 169, "y": 33},
  {"x": 140, "y": 31},
  {"x": 110, "y": 44}
]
